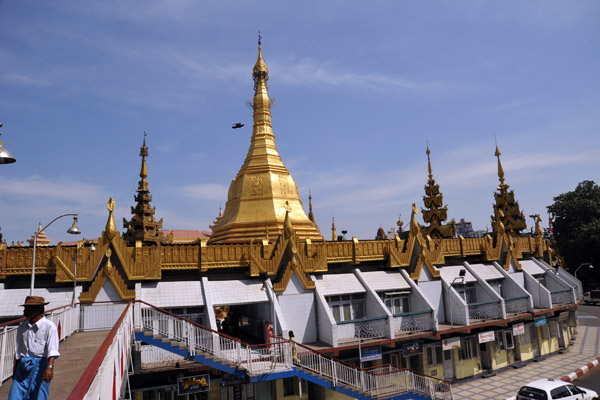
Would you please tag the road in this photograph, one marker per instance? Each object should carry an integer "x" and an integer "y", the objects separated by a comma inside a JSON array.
[{"x": 591, "y": 380}]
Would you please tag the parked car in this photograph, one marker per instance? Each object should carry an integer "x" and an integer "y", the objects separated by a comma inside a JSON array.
[
  {"x": 591, "y": 297},
  {"x": 550, "y": 389}
]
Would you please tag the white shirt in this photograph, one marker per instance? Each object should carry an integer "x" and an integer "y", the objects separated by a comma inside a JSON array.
[{"x": 37, "y": 340}]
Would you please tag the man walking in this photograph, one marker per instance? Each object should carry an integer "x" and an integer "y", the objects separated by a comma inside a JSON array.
[{"x": 37, "y": 348}]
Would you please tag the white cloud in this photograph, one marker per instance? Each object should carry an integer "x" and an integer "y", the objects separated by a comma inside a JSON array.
[
  {"x": 206, "y": 191},
  {"x": 25, "y": 80}
]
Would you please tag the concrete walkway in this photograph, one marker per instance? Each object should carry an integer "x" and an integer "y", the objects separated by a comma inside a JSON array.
[
  {"x": 76, "y": 352},
  {"x": 507, "y": 383}
]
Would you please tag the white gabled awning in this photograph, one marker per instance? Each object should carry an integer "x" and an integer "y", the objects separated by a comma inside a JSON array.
[
  {"x": 487, "y": 272},
  {"x": 531, "y": 267},
  {"x": 386, "y": 281},
  {"x": 335, "y": 284},
  {"x": 237, "y": 291},
  {"x": 451, "y": 272},
  {"x": 172, "y": 294}
]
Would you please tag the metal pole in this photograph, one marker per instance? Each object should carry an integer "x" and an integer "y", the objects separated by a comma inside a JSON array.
[
  {"x": 33, "y": 264},
  {"x": 75, "y": 273}
]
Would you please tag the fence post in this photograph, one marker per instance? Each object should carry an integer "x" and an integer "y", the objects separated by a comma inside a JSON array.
[
  {"x": 333, "y": 372},
  {"x": 2, "y": 352}
]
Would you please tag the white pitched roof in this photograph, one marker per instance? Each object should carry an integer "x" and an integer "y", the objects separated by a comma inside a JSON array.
[
  {"x": 487, "y": 272},
  {"x": 11, "y": 299},
  {"x": 531, "y": 267},
  {"x": 235, "y": 291},
  {"x": 385, "y": 280},
  {"x": 172, "y": 294},
  {"x": 450, "y": 272},
  {"x": 332, "y": 284}
]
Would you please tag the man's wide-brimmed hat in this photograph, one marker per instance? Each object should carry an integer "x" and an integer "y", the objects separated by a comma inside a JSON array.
[{"x": 35, "y": 301}]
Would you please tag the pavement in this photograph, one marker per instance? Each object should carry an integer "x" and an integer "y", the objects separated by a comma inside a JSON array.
[{"x": 506, "y": 384}]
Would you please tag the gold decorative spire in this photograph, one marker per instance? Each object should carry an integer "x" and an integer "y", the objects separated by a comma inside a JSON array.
[
  {"x": 333, "y": 232},
  {"x": 435, "y": 212},
  {"x": 257, "y": 196},
  {"x": 142, "y": 226},
  {"x": 508, "y": 216},
  {"x": 144, "y": 154},
  {"x": 311, "y": 215},
  {"x": 500, "y": 170}
]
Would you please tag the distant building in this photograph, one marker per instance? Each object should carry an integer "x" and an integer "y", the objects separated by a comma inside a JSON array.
[{"x": 464, "y": 228}]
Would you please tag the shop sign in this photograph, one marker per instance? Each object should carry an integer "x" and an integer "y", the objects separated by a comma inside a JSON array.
[
  {"x": 370, "y": 353},
  {"x": 486, "y": 337},
  {"x": 193, "y": 384},
  {"x": 540, "y": 322},
  {"x": 518, "y": 329},
  {"x": 452, "y": 343},
  {"x": 412, "y": 349}
]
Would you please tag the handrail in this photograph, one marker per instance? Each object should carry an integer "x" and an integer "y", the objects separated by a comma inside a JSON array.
[
  {"x": 356, "y": 321},
  {"x": 86, "y": 379},
  {"x": 517, "y": 298},
  {"x": 483, "y": 303},
  {"x": 407, "y": 314},
  {"x": 192, "y": 322},
  {"x": 561, "y": 291},
  {"x": 21, "y": 319}
]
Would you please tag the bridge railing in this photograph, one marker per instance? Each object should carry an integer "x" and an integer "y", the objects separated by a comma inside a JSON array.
[{"x": 104, "y": 376}]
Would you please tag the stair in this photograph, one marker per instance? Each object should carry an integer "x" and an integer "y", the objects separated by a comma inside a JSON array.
[{"x": 241, "y": 372}]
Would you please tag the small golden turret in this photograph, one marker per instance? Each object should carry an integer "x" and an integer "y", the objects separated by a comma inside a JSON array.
[
  {"x": 435, "y": 213},
  {"x": 142, "y": 226},
  {"x": 508, "y": 216},
  {"x": 333, "y": 232}
]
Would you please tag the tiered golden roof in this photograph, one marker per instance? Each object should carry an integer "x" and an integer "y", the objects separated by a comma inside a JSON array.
[
  {"x": 508, "y": 216},
  {"x": 435, "y": 213},
  {"x": 263, "y": 189},
  {"x": 142, "y": 226}
]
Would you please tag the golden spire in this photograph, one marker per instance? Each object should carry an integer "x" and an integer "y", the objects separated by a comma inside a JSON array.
[
  {"x": 144, "y": 154},
  {"x": 142, "y": 226},
  {"x": 435, "y": 212},
  {"x": 429, "y": 162},
  {"x": 507, "y": 212},
  {"x": 500, "y": 170},
  {"x": 311, "y": 215},
  {"x": 333, "y": 232},
  {"x": 258, "y": 195}
]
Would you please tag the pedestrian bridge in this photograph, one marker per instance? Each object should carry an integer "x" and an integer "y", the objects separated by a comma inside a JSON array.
[{"x": 97, "y": 339}]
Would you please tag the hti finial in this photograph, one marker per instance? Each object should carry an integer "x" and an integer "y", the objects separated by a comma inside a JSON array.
[
  {"x": 259, "y": 39},
  {"x": 144, "y": 148}
]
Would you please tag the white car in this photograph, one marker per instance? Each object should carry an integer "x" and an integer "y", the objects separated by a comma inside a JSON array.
[{"x": 550, "y": 389}]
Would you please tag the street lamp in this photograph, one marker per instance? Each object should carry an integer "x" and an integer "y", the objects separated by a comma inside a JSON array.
[
  {"x": 73, "y": 230},
  {"x": 6, "y": 156},
  {"x": 590, "y": 266},
  {"x": 461, "y": 278},
  {"x": 79, "y": 246}
]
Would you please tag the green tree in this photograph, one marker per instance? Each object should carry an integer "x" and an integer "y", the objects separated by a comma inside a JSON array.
[{"x": 576, "y": 228}]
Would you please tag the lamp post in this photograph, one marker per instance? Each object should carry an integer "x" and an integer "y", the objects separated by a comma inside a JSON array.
[
  {"x": 73, "y": 230},
  {"x": 6, "y": 156},
  {"x": 461, "y": 278},
  {"x": 590, "y": 266},
  {"x": 79, "y": 246}
]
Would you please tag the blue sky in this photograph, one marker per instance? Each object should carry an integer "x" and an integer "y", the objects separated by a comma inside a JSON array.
[{"x": 360, "y": 88}]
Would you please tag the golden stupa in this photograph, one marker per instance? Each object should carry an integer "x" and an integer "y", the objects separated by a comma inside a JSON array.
[{"x": 263, "y": 190}]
